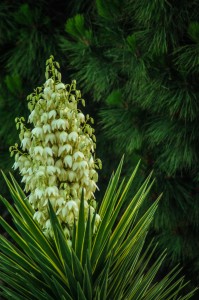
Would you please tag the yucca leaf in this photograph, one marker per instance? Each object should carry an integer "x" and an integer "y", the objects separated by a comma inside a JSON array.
[
  {"x": 77, "y": 268},
  {"x": 46, "y": 264},
  {"x": 138, "y": 230},
  {"x": 107, "y": 222},
  {"x": 12, "y": 211},
  {"x": 12, "y": 295},
  {"x": 61, "y": 245},
  {"x": 104, "y": 277},
  {"x": 16, "y": 285},
  {"x": 15, "y": 236},
  {"x": 127, "y": 217},
  {"x": 80, "y": 292},
  {"x": 74, "y": 235},
  {"x": 50, "y": 269},
  {"x": 17, "y": 256},
  {"x": 19, "y": 202},
  {"x": 30, "y": 227},
  {"x": 120, "y": 274},
  {"x": 148, "y": 277},
  {"x": 97, "y": 293},
  {"x": 80, "y": 229},
  {"x": 107, "y": 199},
  {"x": 34, "y": 245},
  {"x": 159, "y": 287},
  {"x": 171, "y": 290},
  {"x": 21, "y": 193},
  {"x": 189, "y": 295},
  {"x": 103, "y": 255},
  {"x": 24, "y": 277},
  {"x": 65, "y": 251},
  {"x": 132, "y": 271},
  {"x": 27, "y": 290},
  {"x": 72, "y": 282},
  {"x": 86, "y": 247},
  {"x": 60, "y": 290},
  {"x": 88, "y": 265},
  {"x": 87, "y": 284}
]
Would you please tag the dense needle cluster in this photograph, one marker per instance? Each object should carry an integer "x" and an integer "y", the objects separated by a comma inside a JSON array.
[{"x": 56, "y": 159}]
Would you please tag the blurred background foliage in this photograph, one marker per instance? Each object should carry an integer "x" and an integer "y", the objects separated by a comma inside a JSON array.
[{"x": 136, "y": 63}]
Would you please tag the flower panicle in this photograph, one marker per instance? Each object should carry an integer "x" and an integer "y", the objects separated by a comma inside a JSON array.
[{"x": 56, "y": 158}]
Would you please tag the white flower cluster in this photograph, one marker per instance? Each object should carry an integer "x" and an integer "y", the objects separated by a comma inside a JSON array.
[{"x": 57, "y": 156}]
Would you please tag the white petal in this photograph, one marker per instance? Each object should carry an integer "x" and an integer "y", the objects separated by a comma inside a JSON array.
[
  {"x": 52, "y": 114},
  {"x": 60, "y": 86},
  {"x": 39, "y": 193},
  {"x": 50, "y": 161},
  {"x": 63, "y": 136},
  {"x": 67, "y": 148},
  {"x": 48, "y": 151},
  {"x": 81, "y": 117},
  {"x": 38, "y": 150},
  {"x": 51, "y": 190},
  {"x": 52, "y": 180},
  {"x": 61, "y": 150},
  {"x": 78, "y": 154},
  {"x": 71, "y": 175},
  {"x": 50, "y": 170},
  {"x": 59, "y": 163},
  {"x": 31, "y": 116},
  {"x": 54, "y": 124},
  {"x": 50, "y": 137},
  {"x": 71, "y": 205},
  {"x": 83, "y": 164},
  {"x": 75, "y": 166},
  {"x": 47, "y": 128},
  {"x": 61, "y": 124},
  {"x": 68, "y": 161},
  {"x": 60, "y": 201},
  {"x": 16, "y": 165},
  {"x": 73, "y": 136},
  {"x": 40, "y": 174},
  {"x": 44, "y": 117},
  {"x": 25, "y": 143}
]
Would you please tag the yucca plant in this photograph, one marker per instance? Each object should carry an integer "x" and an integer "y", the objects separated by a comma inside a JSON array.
[{"x": 61, "y": 246}]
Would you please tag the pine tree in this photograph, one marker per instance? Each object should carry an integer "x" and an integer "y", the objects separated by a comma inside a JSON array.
[
  {"x": 139, "y": 60},
  {"x": 29, "y": 34}
]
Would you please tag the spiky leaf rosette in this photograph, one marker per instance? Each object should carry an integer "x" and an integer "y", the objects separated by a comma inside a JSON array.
[
  {"x": 56, "y": 158},
  {"x": 112, "y": 264}
]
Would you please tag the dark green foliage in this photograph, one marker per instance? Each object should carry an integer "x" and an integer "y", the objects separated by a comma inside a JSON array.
[
  {"x": 29, "y": 34},
  {"x": 138, "y": 60},
  {"x": 141, "y": 66}
]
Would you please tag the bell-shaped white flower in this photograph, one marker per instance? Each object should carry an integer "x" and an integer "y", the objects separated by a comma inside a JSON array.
[
  {"x": 48, "y": 151},
  {"x": 52, "y": 114},
  {"x": 68, "y": 161},
  {"x": 39, "y": 193},
  {"x": 77, "y": 155},
  {"x": 50, "y": 137},
  {"x": 51, "y": 191},
  {"x": 63, "y": 137},
  {"x": 38, "y": 132},
  {"x": 73, "y": 136},
  {"x": 38, "y": 150},
  {"x": 47, "y": 128}
]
